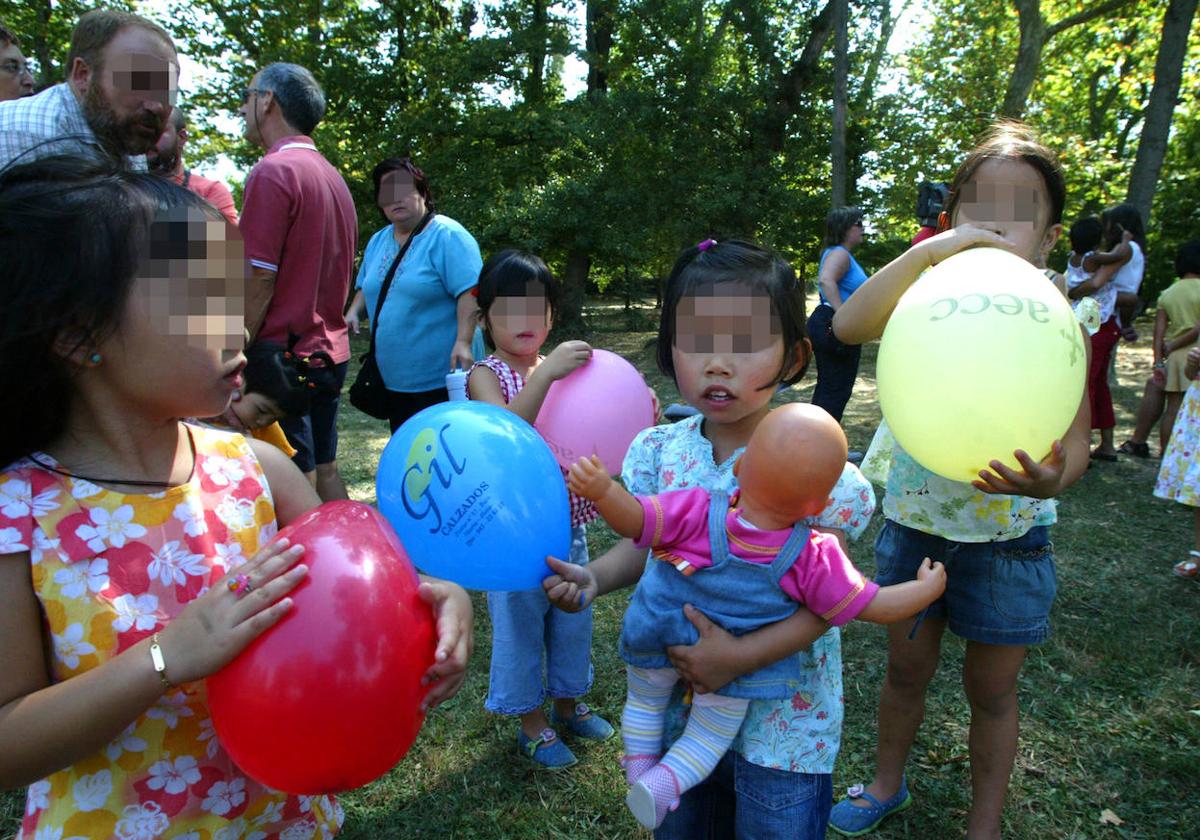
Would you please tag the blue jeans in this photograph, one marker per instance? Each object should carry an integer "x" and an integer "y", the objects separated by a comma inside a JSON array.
[
  {"x": 837, "y": 363},
  {"x": 745, "y": 801},
  {"x": 537, "y": 649}
]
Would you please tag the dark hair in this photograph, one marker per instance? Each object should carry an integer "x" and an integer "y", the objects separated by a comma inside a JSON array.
[
  {"x": 73, "y": 233},
  {"x": 508, "y": 274},
  {"x": 96, "y": 29},
  {"x": 753, "y": 266},
  {"x": 300, "y": 97},
  {"x": 1187, "y": 258},
  {"x": 288, "y": 379},
  {"x": 394, "y": 164},
  {"x": 838, "y": 223},
  {"x": 1129, "y": 218},
  {"x": 1012, "y": 140},
  {"x": 7, "y": 37},
  {"x": 1086, "y": 234}
]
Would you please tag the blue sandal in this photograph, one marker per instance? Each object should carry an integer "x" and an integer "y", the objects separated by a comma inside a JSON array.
[
  {"x": 584, "y": 723},
  {"x": 545, "y": 750},
  {"x": 852, "y": 821}
]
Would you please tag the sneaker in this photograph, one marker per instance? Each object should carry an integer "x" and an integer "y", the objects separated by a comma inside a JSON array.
[
  {"x": 584, "y": 723},
  {"x": 853, "y": 821},
  {"x": 545, "y": 750}
]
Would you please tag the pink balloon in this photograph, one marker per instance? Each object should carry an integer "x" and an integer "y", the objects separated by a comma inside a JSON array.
[
  {"x": 597, "y": 409},
  {"x": 330, "y": 697}
]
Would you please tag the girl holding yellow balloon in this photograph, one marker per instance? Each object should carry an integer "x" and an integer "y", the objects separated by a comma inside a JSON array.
[{"x": 1010, "y": 368}]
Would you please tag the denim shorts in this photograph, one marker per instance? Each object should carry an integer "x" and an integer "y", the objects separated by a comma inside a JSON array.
[
  {"x": 998, "y": 593},
  {"x": 745, "y": 801}
]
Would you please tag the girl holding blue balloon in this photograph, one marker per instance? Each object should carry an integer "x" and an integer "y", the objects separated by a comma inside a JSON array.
[
  {"x": 992, "y": 533},
  {"x": 536, "y": 649},
  {"x": 733, "y": 330}
]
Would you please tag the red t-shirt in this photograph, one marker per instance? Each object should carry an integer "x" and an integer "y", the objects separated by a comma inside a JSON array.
[
  {"x": 214, "y": 192},
  {"x": 298, "y": 220},
  {"x": 924, "y": 233}
]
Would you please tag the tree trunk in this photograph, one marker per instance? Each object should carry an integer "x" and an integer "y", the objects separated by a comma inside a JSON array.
[
  {"x": 841, "y": 69},
  {"x": 535, "y": 83},
  {"x": 1029, "y": 55},
  {"x": 49, "y": 73},
  {"x": 598, "y": 45},
  {"x": 575, "y": 278},
  {"x": 1168, "y": 70}
]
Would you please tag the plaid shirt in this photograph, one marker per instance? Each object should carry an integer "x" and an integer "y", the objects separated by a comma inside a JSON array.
[
  {"x": 52, "y": 122},
  {"x": 511, "y": 383}
]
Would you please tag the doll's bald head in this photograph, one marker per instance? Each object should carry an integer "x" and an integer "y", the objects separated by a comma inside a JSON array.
[{"x": 795, "y": 457}]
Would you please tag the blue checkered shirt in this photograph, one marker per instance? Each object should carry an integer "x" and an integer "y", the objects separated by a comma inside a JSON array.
[{"x": 52, "y": 122}]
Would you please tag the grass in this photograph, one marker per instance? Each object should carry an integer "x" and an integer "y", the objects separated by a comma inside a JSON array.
[{"x": 1110, "y": 705}]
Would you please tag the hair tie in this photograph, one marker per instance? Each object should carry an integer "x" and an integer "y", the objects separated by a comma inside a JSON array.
[
  {"x": 706, "y": 244},
  {"x": 474, "y": 291}
]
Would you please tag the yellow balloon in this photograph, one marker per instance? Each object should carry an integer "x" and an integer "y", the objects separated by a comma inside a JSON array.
[{"x": 982, "y": 356}]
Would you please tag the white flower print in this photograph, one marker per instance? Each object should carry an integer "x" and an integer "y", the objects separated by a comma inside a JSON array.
[
  {"x": 48, "y": 832},
  {"x": 173, "y": 776},
  {"x": 142, "y": 822},
  {"x": 267, "y": 532},
  {"x": 109, "y": 528},
  {"x": 223, "y": 797},
  {"x": 305, "y": 803},
  {"x": 16, "y": 499},
  {"x": 41, "y": 544},
  {"x": 299, "y": 831},
  {"x": 81, "y": 488},
  {"x": 139, "y": 611},
  {"x": 91, "y": 792},
  {"x": 170, "y": 708},
  {"x": 37, "y": 797},
  {"x": 236, "y": 830},
  {"x": 192, "y": 517},
  {"x": 229, "y": 555},
  {"x": 10, "y": 541},
  {"x": 123, "y": 743},
  {"x": 208, "y": 736},
  {"x": 237, "y": 514},
  {"x": 223, "y": 472},
  {"x": 70, "y": 646},
  {"x": 173, "y": 563},
  {"x": 78, "y": 579},
  {"x": 273, "y": 813}
]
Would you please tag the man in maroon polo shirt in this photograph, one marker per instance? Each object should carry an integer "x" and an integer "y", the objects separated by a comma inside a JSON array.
[{"x": 301, "y": 232}]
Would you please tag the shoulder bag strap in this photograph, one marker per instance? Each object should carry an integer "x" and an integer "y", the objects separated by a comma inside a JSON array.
[{"x": 387, "y": 281}]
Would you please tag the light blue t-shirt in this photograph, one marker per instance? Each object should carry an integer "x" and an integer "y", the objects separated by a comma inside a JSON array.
[
  {"x": 419, "y": 320},
  {"x": 851, "y": 280}
]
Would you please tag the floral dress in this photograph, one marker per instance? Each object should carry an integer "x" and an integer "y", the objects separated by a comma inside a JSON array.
[
  {"x": 1179, "y": 475},
  {"x": 110, "y": 569}
]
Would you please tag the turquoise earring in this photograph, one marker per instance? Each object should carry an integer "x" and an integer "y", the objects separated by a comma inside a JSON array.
[{"x": 95, "y": 358}]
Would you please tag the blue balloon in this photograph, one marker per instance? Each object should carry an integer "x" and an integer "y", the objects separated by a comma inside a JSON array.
[{"x": 476, "y": 496}]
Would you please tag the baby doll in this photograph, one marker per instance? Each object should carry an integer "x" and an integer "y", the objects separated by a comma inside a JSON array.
[{"x": 744, "y": 562}]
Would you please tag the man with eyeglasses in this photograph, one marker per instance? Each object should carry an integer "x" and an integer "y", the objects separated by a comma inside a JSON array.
[
  {"x": 301, "y": 232},
  {"x": 15, "y": 79},
  {"x": 122, "y": 81}
]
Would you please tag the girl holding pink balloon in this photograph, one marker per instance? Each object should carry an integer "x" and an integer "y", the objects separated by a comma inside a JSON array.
[
  {"x": 993, "y": 532},
  {"x": 732, "y": 330},
  {"x": 537, "y": 651},
  {"x": 136, "y": 551}
]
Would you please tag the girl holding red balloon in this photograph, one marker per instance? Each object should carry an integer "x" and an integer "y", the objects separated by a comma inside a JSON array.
[
  {"x": 136, "y": 551},
  {"x": 992, "y": 533},
  {"x": 537, "y": 651},
  {"x": 733, "y": 330}
]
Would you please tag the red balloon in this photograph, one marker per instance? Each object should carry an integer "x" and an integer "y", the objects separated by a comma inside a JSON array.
[{"x": 330, "y": 697}]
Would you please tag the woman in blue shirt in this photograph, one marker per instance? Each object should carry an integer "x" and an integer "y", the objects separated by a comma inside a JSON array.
[
  {"x": 428, "y": 320},
  {"x": 838, "y": 276}
]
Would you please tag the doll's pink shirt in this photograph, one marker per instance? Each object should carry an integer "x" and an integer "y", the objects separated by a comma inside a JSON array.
[{"x": 675, "y": 528}]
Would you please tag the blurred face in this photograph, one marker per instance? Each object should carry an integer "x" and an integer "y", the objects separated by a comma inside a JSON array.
[
  {"x": 400, "y": 200},
  {"x": 165, "y": 155},
  {"x": 727, "y": 352},
  {"x": 15, "y": 79},
  {"x": 127, "y": 100},
  {"x": 519, "y": 324},
  {"x": 1010, "y": 198},
  {"x": 178, "y": 352}
]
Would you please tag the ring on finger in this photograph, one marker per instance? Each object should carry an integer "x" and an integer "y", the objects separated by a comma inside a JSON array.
[{"x": 239, "y": 585}]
